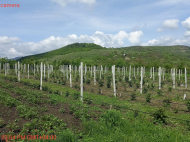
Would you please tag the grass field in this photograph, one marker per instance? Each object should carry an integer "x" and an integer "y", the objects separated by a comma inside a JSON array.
[{"x": 25, "y": 110}]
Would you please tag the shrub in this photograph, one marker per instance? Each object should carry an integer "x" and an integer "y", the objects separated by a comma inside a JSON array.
[
  {"x": 108, "y": 84},
  {"x": 57, "y": 92},
  {"x": 159, "y": 92},
  {"x": 145, "y": 90},
  {"x": 76, "y": 95},
  {"x": 52, "y": 101},
  {"x": 101, "y": 83},
  {"x": 133, "y": 97},
  {"x": 143, "y": 81},
  {"x": 77, "y": 114},
  {"x": 152, "y": 85},
  {"x": 138, "y": 85},
  {"x": 188, "y": 104},
  {"x": 99, "y": 91},
  {"x": 62, "y": 110},
  {"x": 175, "y": 110},
  {"x": 67, "y": 94},
  {"x": 64, "y": 82},
  {"x": 76, "y": 86},
  {"x": 45, "y": 79},
  {"x": 88, "y": 81},
  {"x": 112, "y": 118},
  {"x": 72, "y": 109},
  {"x": 130, "y": 83},
  {"x": 125, "y": 86},
  {"x": 169, "y": 89},
  {"x": 97, "y": 78},
  {"x": 109, "y": 78},
  {"x": 66, "y": 136},
  {"x": 84, "y": 80},
  {"x": 50, "y": 90},
  {"x": 148, "y": 98},
  {"x": 159, "y": 116},
  {"x": 166, "y": 102},
  {"x": 88, "y": 101},
  {"x": 45, "y": 88},
  {"x": 126, "y": 79},
  {"x": 178, "y": 83}
]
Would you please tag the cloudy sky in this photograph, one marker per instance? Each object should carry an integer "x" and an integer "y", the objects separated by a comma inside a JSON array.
[{"x": 39, "y": 26}]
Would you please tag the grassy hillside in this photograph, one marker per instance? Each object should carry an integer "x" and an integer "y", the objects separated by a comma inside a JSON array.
[
  {"x": 64, "y": 50},
  {"x": 92, "y": 54}
]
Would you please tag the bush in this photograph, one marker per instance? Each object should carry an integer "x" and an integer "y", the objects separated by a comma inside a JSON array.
[
  {"x": 178, "y": 83},
  {"x": 76, "y": 95},
  {"x": 169, "y": 89},
  {"x": 72, "y": 109},
  {"x": 133, "y": 97},
  {"x": 148, "y": 98},
  {"x": 88, "y": 81},
  {"x": 76, "y": 86},
  {"x": 97, "y": 78},
  {"x": 109, "y": 78},
  {"x": 138, "y": 85},
  {"x": 101, "y": 83},
  {"x": 112, "y": 118},
  {"x": 50, "y": 90},
  {"x": 130, "y": 83},
  {"x": 88, "y": 101},
  {"x": 143, "y": 81},
  {"x": 45, "y": 88},
  {"x": 152, "y": 85},
  {"x": 66, "y": 136},
  {"x": 45, "y": 79},
  {"x": 67, "y": 94},
  {"x": 108, "y": 84},
  {"x": 62, "y": 110},
  {"x": 99, "y": 91},
  {"x": 188, "y": 104},
  {"x": 126, "y": 79},
  {"x": 64, "y": 82},
  {"x": 175, "y": 110},
  {"x": 145, "y": 90},
  {"x": 77, "y": 78},
  {"x": 120, "y": 79},
  {"x": 159, "y": 92},
  {"x": 57, "y": 92},
  {"x": 159, "y": 116},
  {"x": 52, "y": 101},
  {"x": 166, "y": 102}
]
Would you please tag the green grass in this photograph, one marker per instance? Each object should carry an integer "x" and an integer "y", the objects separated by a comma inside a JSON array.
[{"x": 120, "y": 125}]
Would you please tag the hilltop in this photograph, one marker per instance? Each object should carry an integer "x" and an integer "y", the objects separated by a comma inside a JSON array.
[{"x": 91, "y": 54}]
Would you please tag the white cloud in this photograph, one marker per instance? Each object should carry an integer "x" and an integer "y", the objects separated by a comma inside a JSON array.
[
  {"x": 134, "y": 37},
  {"x": 167, "y": 41},
  {"x": 186, "y": 23},
  {"x": 187, "y": 33},
  {"x": 5, "y": 39},
  {"x": 64, "y": 2},
  {"x": 171, "y": 24},
  {"x": 11, "y": 49}
]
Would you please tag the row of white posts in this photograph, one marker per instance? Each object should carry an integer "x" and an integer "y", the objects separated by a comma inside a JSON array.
[{"x": 64, "y": 69}]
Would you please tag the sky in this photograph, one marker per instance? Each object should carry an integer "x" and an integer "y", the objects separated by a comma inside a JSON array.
[{"x": 40, "y": 26}]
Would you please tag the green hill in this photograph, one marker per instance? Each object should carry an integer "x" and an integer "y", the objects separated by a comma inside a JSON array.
[
  {"x": 92, "y": 54},
  {"x": 76, "y": 47}
]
